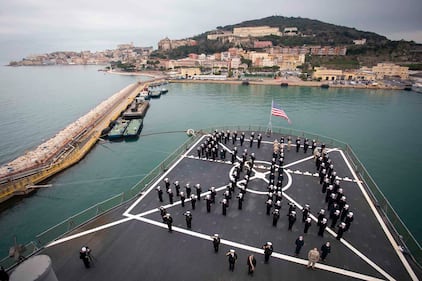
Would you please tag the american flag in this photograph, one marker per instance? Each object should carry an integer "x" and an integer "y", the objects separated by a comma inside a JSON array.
[{"x": 276, "y": 110}]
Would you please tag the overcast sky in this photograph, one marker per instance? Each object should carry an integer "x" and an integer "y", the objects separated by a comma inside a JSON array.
[{"x": 40, "y": 26}]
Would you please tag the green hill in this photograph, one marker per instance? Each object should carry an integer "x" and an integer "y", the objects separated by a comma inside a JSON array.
[{"x": 314, "y": 32}]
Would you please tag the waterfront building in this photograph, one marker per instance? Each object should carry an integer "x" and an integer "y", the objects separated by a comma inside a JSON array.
[
  {"x": 383, "y": 70},
  {"x": 190, "y": 72},
  {"x": 327, "y": 74}
]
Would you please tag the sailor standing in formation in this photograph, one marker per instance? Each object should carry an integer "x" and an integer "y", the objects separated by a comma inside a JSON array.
[
  {"x": 232, "y": 259},
  {"x": 268, "y": 250},
  {"x": 188, "y": 217},
  {"x": 215, "y": 242}
]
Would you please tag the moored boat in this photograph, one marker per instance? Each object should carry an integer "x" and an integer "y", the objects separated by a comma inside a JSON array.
[
  {"x": 133, "y": 129},
  {"x": 118, "y": 130}
]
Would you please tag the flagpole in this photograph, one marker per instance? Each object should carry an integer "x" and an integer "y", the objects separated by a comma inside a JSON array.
[{"x": 270, "y": 127}]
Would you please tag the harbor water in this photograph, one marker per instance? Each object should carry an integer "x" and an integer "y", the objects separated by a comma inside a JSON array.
[{"x": 382, "y": 126}]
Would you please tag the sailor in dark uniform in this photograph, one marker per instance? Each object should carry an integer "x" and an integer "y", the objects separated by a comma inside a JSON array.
[
  {"x": 170, "y": 193},
  {"x": 242, "y": 138},
  {"x": 84, "y": 255},
  {"x": 292, "y": 207},
  {"x": 208, "y": 202},
  {"x": 193, "y": 199},
  {"x": 240, "y": 201},
  {"x": 297, "y": 144},
  {"x": 234, "y": 137},
  {"x": 177, "y": 187},
  {"x": 325, "y": 250},
  {"x": 277, "y": 205},
  {"x": 305, "y": 146},
  {"x": 276, "y": 216},
  {"x": 163, "y": 212},
  {"x": 259, "y": 139},
  {"x": 330, "y": 190},
  {"x": 313, "y": 145},
  {"x": 334, "y": 218},
  {"x": 188, "y": 190},
  {"x": 322, "y": 174},
  {"x": 278, "y": 196},
  {"x": 342, "y": 202},
  {"x": 325, "y": 184},
  {"x": 233, "y": 157},
  {"x": 269, "y": 204},
  {"x": 344, "y": 212},
  {"x": 250, "y": 141},
  {"x": 213, "y": 193},
  {"x": 331, "y": 200},
  {"x": 198, "y": 191},
  {"x": 321, "y": 216},
  {"x": 199, "y": 151},
  {"x": 268, "y": 250},
  {"x": 169, "y": 221},
  {"x": 224, "y": 205},
  {"x": 214, "y": 153},
  {"x": 215, "y": 242},
  {"x": 160, "y": 193},
  {"x": 232, "y": 259},
  {"x": 167, "y": 183},
  {"x": 182, "y": 198},
  {"x": 292, "y": 219},
  {"x": 322, "y": 226},
  {"x": 308, "y": 223},
  {"x": 188, "y": 217},
  {"x": 299, "y": 244},
  {"x": 341, "y": 229},
  {"x": 305, "y": 212},
  {"x": 227, "y": 196},
  {"x": 348, "y": 220},
  {"x": 333, "y": 177},
  {"x": 318, "y": 163}
]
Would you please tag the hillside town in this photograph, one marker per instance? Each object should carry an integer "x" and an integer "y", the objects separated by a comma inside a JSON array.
[{"x": 251, "y": 56}]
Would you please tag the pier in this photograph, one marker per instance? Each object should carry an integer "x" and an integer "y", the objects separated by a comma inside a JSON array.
[{"x": 64, "y": 149}]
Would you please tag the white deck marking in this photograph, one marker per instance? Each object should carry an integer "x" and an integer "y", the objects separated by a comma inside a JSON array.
[
  {"x": 258, "y": 250},
  {"x": 348, "y": 245},
  {"x": 380, "y": 220},
  {"x": 162, "y": 177},
  {"x": 92, "y": 230}
]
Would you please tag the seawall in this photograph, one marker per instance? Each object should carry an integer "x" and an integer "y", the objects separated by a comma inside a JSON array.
[{"x": 66, "y": 148}]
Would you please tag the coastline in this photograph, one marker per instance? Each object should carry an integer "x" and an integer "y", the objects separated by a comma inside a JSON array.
[{"x": 291, "y": 81}]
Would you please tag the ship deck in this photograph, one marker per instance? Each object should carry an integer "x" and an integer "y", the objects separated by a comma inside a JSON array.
[{"x": 132, "y": 243}]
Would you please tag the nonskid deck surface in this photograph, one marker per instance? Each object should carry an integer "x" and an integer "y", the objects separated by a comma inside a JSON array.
[{"x": 133, "y": 243}]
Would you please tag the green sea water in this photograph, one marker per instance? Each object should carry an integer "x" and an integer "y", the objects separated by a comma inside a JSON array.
[{"x": 383, "y": 127}]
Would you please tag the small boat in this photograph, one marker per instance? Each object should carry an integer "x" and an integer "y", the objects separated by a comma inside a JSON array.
[
  {"x": 284, "y": 84},
  {"x": 118, "y": 129},
  {"x": 245, "y": 82},
  {"x": 325, "y": 86},
  {"x": 133, "y": 129},
  {"x": 163, "y": 91},
  {"x": 155, "y": 94}
]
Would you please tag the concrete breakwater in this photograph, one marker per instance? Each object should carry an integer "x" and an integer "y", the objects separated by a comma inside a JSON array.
[{"x": 64, "y": 149}]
